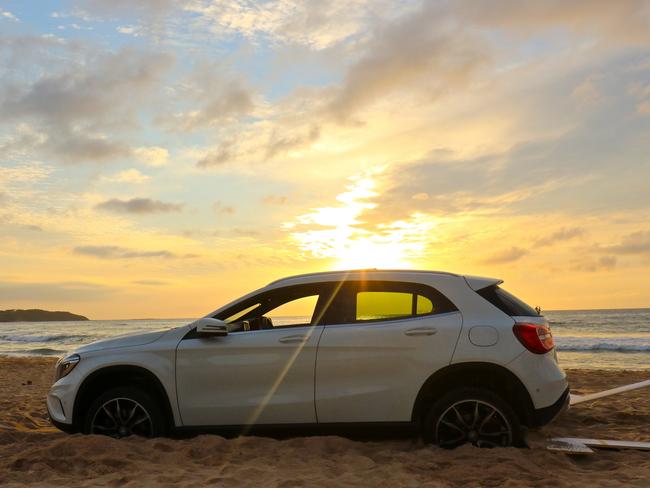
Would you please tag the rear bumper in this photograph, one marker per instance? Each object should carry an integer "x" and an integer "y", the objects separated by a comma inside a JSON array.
[{"x": 546, "y": 415}]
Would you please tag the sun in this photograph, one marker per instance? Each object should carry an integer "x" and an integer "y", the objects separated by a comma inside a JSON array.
[
  {"x": 365, "y": 253},
  {"x": 340, "y": 233}
]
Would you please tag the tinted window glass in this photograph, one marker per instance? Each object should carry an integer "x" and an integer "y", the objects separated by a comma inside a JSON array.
[
  {"x": 377, "y": 305},
  {"x": 365, "y": 301},
  {"x": 423, "y": 306},
  {"x": 507, "y": 302}
]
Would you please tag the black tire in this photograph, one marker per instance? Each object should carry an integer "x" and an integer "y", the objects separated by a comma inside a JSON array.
[
  {"x": 472, "y": 415},
  {"x": 123, "y": 411}
]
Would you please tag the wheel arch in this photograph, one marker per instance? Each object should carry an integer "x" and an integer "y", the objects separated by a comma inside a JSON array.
[
  {"x": 119, "y": 375},
  {"x": 492, "y": 376}
]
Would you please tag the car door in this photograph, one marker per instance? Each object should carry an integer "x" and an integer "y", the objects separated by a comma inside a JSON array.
[
  {"x": 382, "y": 340},
  {"x": 261, "y": 376}
]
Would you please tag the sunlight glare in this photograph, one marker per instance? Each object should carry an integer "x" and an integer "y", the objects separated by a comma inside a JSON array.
[{"x": 339, "y": 232}]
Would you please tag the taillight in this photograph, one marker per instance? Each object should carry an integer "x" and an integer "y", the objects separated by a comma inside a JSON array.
[{"x": 534, "y": 337}]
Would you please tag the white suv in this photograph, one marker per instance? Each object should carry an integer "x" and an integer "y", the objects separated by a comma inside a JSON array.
[{"x": 456, "y": 356}]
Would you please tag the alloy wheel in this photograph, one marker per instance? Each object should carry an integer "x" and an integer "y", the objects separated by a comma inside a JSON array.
[
  {"x": 122, "y": 417},
  {"x": 474, "y": 421}
]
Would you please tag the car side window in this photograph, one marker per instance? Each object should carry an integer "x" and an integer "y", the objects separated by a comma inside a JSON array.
[
  {"x": 240, "y": 313},
  {"x": 291, "y": 306},
  {"x": 377, "y": 305},
  {"x": 294, "y": 312},
  {"x": 423, "y": 305},
  {"x": 372, "y": 301}
]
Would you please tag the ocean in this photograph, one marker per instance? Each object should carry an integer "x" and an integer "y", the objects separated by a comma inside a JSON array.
[{"x": 592, "y": 339}]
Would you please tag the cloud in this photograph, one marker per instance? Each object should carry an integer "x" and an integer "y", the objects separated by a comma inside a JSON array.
[
  {"x": 644, "y": 107},
  {"x": 5, "y": 14},
  {"x": 150, "y": 282},
  {"x": 604, "y": 263},
  {"x": 280, "y": 144},
  {"x": 132, "y": 30},
  {"x": 48, "y": 292},
  {"x": 72, "y": 147},
  {"x": 103, "y": 93},
  {"x": 564, "y": 234},
  {"x": 80, "y": 107},
  {"x": 624, "y": 21},
  {"x": 221, "y": 209},
  {"x": 508, "y": 256},
  {"x": 152, "y": 155},
  {"x": 208, "y": 97},
  {"x": 635, "y": 243},
  {"x": 318, "y": 24},
  {"x": 139, "y": 206},
  {"x": 128, "y": 176},
  {"x": 275, "y": 199},
  {"x": 218, "y": 157},
  {"x": 116, "y": 252},
  {"x": 236, "y": 231},
  {"x": 587, "y": 92},
  {"x": 531, "y": 175},
  {"x": 415, "y": 51},
  {"x": 33, "y": 227},
  {"x": 113, "y": 8}
]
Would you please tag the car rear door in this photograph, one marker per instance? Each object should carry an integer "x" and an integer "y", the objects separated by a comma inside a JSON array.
[{"x": 382, "y": 340}]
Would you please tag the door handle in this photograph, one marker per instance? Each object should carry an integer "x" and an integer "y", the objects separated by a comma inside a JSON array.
[
  {"x": 421, "y": 331},
  {"x": 293, "y": 339}
]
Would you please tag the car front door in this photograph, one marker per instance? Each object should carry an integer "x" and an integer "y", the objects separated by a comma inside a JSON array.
[
  {"x": 263, "y": 376},
  {"x": 381, "y": 342}
]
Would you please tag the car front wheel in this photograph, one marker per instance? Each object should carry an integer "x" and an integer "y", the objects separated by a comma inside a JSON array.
[
  {"x": 124, "y": 411},
  {"x": 472, "y": 415}
]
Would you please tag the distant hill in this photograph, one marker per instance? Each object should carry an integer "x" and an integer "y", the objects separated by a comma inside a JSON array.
[{"x": 36, "y": 315}]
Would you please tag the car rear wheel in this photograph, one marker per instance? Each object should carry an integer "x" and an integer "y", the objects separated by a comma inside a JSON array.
[
  {"x": 124, "y": 411},
  {"x": 472, "y": 415}
]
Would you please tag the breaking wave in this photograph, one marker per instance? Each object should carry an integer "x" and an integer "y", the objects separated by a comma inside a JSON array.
[
  {"x": 43, "y": 338},
  {"x": 594, "y": 344}
]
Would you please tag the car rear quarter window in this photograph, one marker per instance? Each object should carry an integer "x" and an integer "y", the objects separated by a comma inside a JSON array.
[
  {"x": 423, "y": 305},
  {"x": 507, "y": 302}
]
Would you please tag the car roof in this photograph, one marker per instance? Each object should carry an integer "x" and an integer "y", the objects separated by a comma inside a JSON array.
[
  {"x": 474, "y": 282},
  {"x": 351, "y": 274}
]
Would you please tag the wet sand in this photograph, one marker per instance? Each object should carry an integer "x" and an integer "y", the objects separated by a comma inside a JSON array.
[{"x": 34, "y": 453}]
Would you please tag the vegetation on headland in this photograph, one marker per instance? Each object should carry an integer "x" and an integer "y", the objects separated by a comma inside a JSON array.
[{"x": 37, "y": 315}]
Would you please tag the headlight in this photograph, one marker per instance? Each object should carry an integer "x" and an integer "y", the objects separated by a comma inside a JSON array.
[{"x": 65, "y": 365}]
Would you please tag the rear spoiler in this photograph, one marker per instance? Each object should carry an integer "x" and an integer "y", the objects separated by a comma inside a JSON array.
[{"x": 477, "y": 283}]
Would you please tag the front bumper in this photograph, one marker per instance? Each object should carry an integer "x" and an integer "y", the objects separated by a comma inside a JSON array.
[
  {"x": 56, "y": 412},
  {"x": 60, "y": 402},
  {"x": 546, "y": 415},
  {"x": 67, "y": 428}
]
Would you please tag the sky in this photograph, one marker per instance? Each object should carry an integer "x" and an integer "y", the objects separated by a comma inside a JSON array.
[{"x": 162, "y": 157}]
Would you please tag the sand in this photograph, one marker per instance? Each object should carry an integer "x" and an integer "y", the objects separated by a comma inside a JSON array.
[{"x": 34, "y": 453}]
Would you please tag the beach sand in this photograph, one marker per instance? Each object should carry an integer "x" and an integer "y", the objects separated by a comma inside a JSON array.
[{"x": 34, "y": 453}]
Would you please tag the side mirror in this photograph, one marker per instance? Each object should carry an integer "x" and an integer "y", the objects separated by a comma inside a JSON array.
[{"x": 211, "y": 327}]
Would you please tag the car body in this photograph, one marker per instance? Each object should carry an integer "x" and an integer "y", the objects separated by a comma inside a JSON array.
[{"x": 374, "y": 346}]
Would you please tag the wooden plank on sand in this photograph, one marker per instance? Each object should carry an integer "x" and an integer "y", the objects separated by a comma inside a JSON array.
[
  {"x": 603, "y": 443},
  {"x": 575, "y": 399},
  {"x": 572, "y": 448}
]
